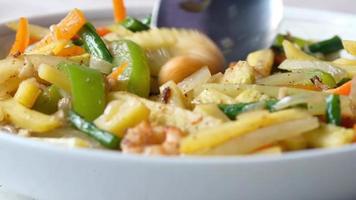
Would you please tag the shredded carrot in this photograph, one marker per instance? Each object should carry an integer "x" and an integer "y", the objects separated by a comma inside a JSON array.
[
  {"x": 33, "y": 40},
  {"x": 344, "y": 89},
  {"x": 70, "y": 25},
  {"x": 305, "y": 87},
  {"x": 102, "y": 31},
  {"x": 22, "y": 38},
  {"x": 118, "y": 71},
  {"x": 119, "y": 10},
  {"x": 66, "y": 29},
  {"x": 71, "y": 51}
]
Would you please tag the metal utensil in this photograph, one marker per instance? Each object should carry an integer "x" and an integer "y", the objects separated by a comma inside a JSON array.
[{"x": 237, "y": 26}]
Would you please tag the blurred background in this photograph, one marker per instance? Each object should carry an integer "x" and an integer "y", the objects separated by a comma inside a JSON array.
[{"x": 15, "y": 8}]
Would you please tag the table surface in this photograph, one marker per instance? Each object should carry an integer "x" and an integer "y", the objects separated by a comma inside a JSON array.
[{"x": 9, "y": 11}]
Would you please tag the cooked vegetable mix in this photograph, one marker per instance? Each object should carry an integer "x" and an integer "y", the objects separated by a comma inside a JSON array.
[{"x": 131, "y": 88}]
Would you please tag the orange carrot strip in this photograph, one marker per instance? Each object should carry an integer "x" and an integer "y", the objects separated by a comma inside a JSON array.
[
  {"x": 66, "y": 29},
  {"x": 22, "y": 38},
  {"x": 119, "y": 10},
  {"x": 344, "y": 89},
  {"x": 70, "y": 25},
  {"x": 71, "y": 51},
  {"x": 102, "y": 31},
  {"x": 118, "y": 71}
]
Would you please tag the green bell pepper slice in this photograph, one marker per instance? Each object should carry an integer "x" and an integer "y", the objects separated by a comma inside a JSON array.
[
  {"x": 88, "y": 90},
  {"x": 136, "y": 75},
  {"x": 94, "y": 44},
  {"x": 48, "y": 100}
]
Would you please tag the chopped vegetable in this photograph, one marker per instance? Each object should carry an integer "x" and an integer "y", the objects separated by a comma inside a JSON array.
[
  {"x": 134, "y": 25},
  {"x": 119, "y": 10},
  {"x": 36, "y": 32},
  {"x": 115, "y": 74},
  {"x": 333, "y": 109},
  {"x": 107, "y": 139},
  {"x": 326, "y": 46},
  {"x": 350, "y": 46},
  {"x": 206, "y": 140},
  {"x": 344, "y": 89},
  {"x": 27, "y": 92},
  {"x": 262, "y": 61},
  {"x": 65, "y": 30},
  {"x": 147, "y": 20},
  {"x": 136, "y": 76},
  {"x": 94, "y": 44},
  {"x": 88, "y": 90},
  {"x": 54, "y": 76},
  {"x": 293, "y": 52},
  {"x": 303, "y": 65},
  {"x": 22, "y": 38},
  {"x": 329, "y": 136},
  {"x": 47, "y": 101},
  {"x": 232, "y": 110},
  {"x": 120, "y": 115},
  {"x": 71, "y": 51},
  {"x": 26, "y": 118}
]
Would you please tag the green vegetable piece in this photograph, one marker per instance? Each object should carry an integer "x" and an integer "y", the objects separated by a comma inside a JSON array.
[
  {"x": 327, "y": 46},
  {"x": 136, "y": 75},
  {"x": 134, "y": 25},
  {"x": 78, "y": 42},
  {"x": 105, "y": 138},
  {"x": 281, "y": 37},
  {"x": 94, "y": 44},
  {"x": 232, "y": 110},
  {"x": 343, "y": 81},
  {"x": 47, "y": 102},
  {"x": 147, "y": 20},
  {"x": 325, "y": 78},
  {"x": 333, "y": 109},
  {"x": 88, "y": 90}
]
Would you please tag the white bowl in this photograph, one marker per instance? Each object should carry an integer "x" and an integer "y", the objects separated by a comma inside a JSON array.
[{"x": 44, "y": 171}]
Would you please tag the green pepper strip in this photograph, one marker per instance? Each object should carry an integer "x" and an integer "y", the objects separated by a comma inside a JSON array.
[
  {"x": 327, "y": 46},
  {"x": 333, "y": 109},
  {"x": 94, "y": 44},
  {"x": 136, "y": 75},
  {"x": 106, "y": 139},
  {"x": 232, "y": 110},
  {"x": 48, "y": 100},
  {"x": 88, "y": 90},
  {"x": 134, "y": 25},
  {"x": 147, "y": 20}
]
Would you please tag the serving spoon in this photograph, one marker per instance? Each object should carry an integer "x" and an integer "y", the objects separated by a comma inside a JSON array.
[{"x": 237, "y": 26}]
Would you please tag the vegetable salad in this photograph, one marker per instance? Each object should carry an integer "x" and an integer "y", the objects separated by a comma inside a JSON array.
[{"x": 133, "y": 88}]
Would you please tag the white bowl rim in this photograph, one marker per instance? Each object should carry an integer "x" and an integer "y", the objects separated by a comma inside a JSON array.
[{"x": 183, "y": 160}]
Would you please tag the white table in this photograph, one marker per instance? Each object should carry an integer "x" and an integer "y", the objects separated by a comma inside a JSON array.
[{"x": 10, "y": 10}]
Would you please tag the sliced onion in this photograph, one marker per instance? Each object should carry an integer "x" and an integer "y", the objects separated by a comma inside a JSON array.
[
  {"x": 302, "y": 65},
  {"x": 100, "y": 65},
  {"x": 290, "y": 78},
  {"x": 315, "y": 102}
]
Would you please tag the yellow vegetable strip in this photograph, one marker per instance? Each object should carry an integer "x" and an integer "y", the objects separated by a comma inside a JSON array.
[
  {"x": 54, "y": 76},
  {"x": 208, "y": 138},
  {"x": 27, "y": 92},
  {"x": 25, "y": 118}
]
